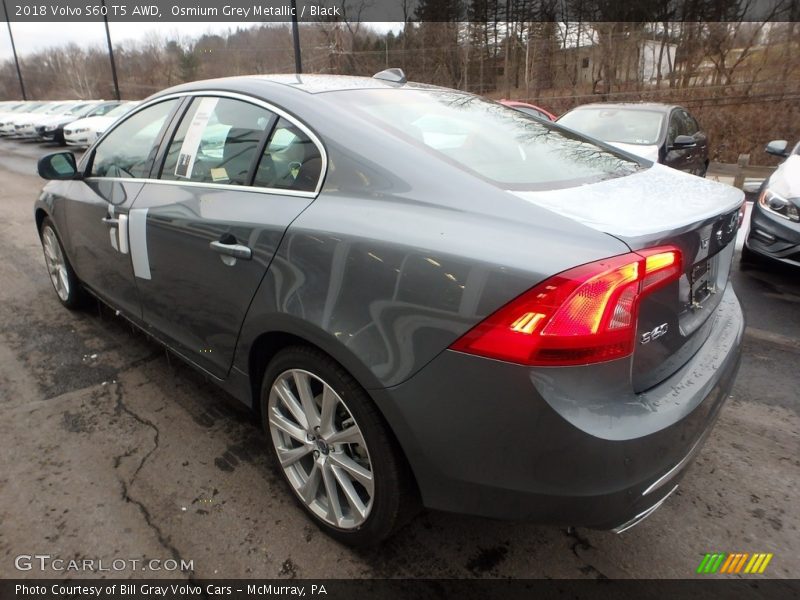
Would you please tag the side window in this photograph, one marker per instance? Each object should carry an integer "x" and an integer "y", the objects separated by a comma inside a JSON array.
[
  {"x": 291, "y": 161},
  {"x": 216, "y": 141},
  {"x": 690, "y": 125},
  {"x": 129, "y": 149},
  {"x": 674, "y": 126}
]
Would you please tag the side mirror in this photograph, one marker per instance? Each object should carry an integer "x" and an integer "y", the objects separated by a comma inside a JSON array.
[
  {"x": 777, "y": 148},
  {"x": 60, "y": 165},
  {"x": 683, "y": 141}
]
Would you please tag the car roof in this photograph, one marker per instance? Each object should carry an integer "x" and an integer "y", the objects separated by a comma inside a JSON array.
[{"x": 311, "y": 84}]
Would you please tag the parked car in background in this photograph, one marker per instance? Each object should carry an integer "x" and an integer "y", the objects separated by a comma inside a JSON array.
[
  {"x": 25, "y": 128},
  {"x": 8, "y": 119},
  {"x": 775, "y": 218},
  {"x": 52, "y": 129},
  {"x": 421, "y": 294},
  {"x": 529, "y": 109},
  {"x": 56, "y": 116},
  {"x": 84, "y": 132},
  {"x": 662, "y": 133},
  {"x": 7, "y": 107}
]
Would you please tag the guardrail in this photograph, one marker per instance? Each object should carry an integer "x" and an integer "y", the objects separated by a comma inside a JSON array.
[{"x": 741, "y": 171}]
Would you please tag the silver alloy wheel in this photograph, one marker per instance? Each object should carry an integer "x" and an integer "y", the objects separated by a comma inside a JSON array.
[
  {"x": 321, "y": 448},
  {"x": 56, "y": 264}
]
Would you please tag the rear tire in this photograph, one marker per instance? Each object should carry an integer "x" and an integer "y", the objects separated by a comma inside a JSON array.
[
  {"x": 328, "y": 441},
  {"x": 65, "y": 283}
]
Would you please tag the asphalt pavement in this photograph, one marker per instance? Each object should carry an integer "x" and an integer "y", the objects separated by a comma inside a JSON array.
[{"x": 109, "y": 449}]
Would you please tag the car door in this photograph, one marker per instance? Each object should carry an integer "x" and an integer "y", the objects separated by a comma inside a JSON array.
[
  {"x": 98, "y": 205},
  {"x": 235, "y": 174}
]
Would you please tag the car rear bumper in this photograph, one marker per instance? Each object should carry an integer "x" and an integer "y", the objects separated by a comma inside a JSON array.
[
  {"x": 773, "y": 236},
  {"x": 555, "y": 445}
]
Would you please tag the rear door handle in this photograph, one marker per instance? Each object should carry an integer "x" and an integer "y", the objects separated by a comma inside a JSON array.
[
  {"x": 110, "y": 221},
  {"x": 234, "y": 250}
]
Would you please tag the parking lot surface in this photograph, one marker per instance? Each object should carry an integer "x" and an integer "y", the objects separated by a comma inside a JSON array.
[{"x": 111, "y": 450}]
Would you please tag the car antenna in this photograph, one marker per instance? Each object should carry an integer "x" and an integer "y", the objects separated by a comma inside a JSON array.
[{"x": 394, "y": 75}]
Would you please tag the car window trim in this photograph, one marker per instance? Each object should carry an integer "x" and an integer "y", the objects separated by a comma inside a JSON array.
[
  {"x": 237, "y": 96},
  {"x": 163, "y": 149},
  {"x": 269, "y": 130}
]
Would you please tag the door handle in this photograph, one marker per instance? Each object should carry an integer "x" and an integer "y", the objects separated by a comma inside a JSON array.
[
  {"x": 110, "y": 221},
  {"x": 234, "y": 250}
]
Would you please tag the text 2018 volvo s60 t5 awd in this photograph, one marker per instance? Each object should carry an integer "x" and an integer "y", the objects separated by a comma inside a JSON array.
[{"x": 426, "y": 296}]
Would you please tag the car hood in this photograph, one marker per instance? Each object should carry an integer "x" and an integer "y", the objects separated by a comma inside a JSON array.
[
  {"x": 648, "y": 152},
  {"x": 785, "y": 181},
  {"x": 651, "y": 201}
]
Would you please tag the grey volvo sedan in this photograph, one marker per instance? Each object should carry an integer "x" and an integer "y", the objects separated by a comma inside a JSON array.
[{"x": 427, "y": 297}]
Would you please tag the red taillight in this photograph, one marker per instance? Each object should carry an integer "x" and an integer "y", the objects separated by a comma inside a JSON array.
[{"x": 584, "y": 315}]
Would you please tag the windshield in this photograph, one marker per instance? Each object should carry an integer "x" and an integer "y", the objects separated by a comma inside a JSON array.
[
  {"x": 59, "y": 108},
  {"x": 499, "y": 144},
  {"x": 611, "y": 124},
  {"x": 122, "y": 109},
  {"x": 80, "y": 109}
]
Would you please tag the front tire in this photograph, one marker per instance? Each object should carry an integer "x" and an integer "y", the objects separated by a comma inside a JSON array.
[
  {"x": 65, "y": 283},
  {"x": 334, "y": 449}
]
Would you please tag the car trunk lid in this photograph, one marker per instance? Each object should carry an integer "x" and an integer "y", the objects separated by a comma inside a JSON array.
[{"x": 654, "y": 208}]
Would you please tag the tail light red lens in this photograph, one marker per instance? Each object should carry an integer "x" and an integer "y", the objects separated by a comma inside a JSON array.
[{"x": 584, "y": 315}]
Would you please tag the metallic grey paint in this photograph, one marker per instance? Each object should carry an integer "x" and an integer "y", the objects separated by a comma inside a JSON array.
[{"x": 395, "y": 257}]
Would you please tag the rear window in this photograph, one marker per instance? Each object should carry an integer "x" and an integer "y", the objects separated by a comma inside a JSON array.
[{"x": 492, "y": 141}]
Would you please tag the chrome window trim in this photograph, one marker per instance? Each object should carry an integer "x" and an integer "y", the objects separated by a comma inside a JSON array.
[
  {"x": 213, "y": 186},
  {"x": 223, "y": 186}
]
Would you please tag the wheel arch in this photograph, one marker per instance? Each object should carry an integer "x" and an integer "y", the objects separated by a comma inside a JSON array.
[
  {"x": 289, "y": 332},
  {"x": 40, "y": 215},
  {"x": 267, "y": 344}
]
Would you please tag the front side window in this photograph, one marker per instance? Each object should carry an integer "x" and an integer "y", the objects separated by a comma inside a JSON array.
[
  {"x": 291, "y": 161},
  {"x": 689, "y": 124},
  {"x": 216, "y": 142},
  {"x": 128, "y": 150}
]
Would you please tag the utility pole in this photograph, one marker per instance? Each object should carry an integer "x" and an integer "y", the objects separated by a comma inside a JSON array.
[
  {"x": 14, "y": 50},
  {"x": 298, "y": 63},
  {"x": 110, "y": 52}
]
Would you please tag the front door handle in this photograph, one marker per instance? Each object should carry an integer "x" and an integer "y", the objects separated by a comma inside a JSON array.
[
  {"x": 110, "y": 221},
  {"x": 234, "y": 250}
]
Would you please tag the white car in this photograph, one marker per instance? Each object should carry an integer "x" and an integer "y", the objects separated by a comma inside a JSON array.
[
  {"x": 26, "y": 128},
  {"x": 84, "y": 132},
  {"x": 51, "y": 129},
  {"x": 7, "y": 117}
]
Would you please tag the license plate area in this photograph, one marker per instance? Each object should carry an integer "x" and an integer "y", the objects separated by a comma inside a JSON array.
[{"x": 702, "y": 279}]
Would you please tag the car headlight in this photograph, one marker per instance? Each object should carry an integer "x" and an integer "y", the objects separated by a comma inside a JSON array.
[
  {"x": 779, "y": 205},
  {"x": 80, "y": 130}
]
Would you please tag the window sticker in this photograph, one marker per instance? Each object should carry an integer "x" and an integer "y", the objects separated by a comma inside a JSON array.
[
  {"x": 194, "y": 135},
  {"x": 219, "y": 174}
]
